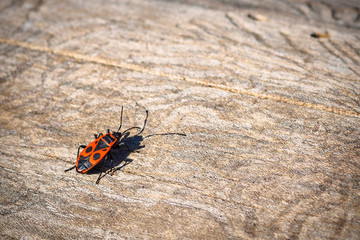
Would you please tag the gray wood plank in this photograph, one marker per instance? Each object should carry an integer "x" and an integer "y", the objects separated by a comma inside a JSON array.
[{"x": 271, "y": 117}]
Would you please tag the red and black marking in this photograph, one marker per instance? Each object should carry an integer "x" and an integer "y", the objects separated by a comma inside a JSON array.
[
  {"x": 94, "y": 152},
  {"x": 99, "y": 149}
]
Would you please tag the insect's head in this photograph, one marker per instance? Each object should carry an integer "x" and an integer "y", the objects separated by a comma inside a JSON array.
[{"x": 117, "y": 134}]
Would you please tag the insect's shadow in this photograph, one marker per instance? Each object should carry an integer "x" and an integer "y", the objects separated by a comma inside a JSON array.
[{"x": 120, "y": 155}]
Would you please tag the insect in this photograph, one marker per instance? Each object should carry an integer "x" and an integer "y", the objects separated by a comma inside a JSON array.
[{"x": 98, "y": 150}]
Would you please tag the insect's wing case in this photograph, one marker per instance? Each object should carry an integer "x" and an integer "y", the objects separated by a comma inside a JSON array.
[{"x": 94, "y": 152}]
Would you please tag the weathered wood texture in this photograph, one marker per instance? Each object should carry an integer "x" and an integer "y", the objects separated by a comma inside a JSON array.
[{"x": 271, "y": 116}]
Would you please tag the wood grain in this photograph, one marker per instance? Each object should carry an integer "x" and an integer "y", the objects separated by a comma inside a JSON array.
[{"x": 271, "y": 117}]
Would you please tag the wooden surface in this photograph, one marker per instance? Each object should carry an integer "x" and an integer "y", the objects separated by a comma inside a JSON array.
[{"x": 271, "y": 117}]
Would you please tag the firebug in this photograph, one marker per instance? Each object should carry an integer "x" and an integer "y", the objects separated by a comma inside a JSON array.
[{"x": 98, "y": 150}]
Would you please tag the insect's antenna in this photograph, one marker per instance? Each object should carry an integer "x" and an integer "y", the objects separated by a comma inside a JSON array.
[
  {"x": 147, "y": 114},
  {"x": 164, "y": 134},
  {"x": 123, "y": 133},
  {"x": 120, "y": 118}
]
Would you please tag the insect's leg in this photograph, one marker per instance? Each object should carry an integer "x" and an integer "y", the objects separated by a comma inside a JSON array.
[
  {"x": 118, "y": 168},
  {"x": 81, "y": 146},
  {"x": 102, "y": 169},
  {"x": 66, "y": 170},
  {"x": 108, "y": 131}
]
